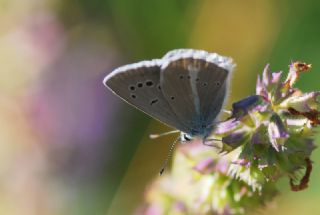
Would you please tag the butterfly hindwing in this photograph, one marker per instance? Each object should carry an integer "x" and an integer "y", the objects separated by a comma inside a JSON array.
[
  {"x": 178, "y": 81},
  {"x": 195, "y": 83},
  {"x": 212, "y": 89}
]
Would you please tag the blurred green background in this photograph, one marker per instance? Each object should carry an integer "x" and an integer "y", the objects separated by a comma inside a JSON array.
[{"x": 68, "y": 146}]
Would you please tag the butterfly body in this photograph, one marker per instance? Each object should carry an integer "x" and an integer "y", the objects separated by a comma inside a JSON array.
[{"x": 186, "y": 89}]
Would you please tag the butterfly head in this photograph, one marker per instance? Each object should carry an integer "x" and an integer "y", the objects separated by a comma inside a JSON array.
[{"x": 201, "y": 132}]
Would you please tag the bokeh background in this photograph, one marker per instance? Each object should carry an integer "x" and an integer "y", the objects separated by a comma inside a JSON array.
[{"x": 69, "y": 146}]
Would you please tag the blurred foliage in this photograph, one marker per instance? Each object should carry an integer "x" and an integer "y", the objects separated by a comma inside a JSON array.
[
  {"x": 143, "y": 28},
  {"x": 298, "y": 40}
]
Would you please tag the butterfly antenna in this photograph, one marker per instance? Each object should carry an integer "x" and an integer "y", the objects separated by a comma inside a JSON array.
[
  {"x": 169, "y": 156},
  {"x": 154, "y": 136}
]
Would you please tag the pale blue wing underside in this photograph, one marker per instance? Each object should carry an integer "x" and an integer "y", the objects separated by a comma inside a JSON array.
[{"x": 185, "y": 89}]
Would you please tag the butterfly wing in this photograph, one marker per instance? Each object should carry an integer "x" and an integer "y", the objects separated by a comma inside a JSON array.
[
  {"x": 181, "y": 95},
  {"x": 212, "y": 90},
  {"x": 139, "y": 85},
  {"x": 194, "y": 84}
]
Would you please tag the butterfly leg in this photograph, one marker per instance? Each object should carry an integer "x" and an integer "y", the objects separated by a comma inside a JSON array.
[
  {"x": 205, "y": 142},
  {"x": 227, "y": 111},
  {"x": 214, "y": 124}
]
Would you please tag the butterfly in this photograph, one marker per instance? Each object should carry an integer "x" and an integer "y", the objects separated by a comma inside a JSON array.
[{"x": 186, "y": 89}]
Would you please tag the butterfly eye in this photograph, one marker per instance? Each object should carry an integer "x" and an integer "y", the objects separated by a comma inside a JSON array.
[
  {"x": 205, "y": 84},
  {"x": 132, "y": 88},
  {"x": 133, "y": 96},
  {"x": 187, "y": 137},
  {"x": 218, "y": 83},
  {"x": 139, "y": 84}
]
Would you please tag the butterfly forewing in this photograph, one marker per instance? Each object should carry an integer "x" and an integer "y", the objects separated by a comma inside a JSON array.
[{"x": 139, "y": 85}]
